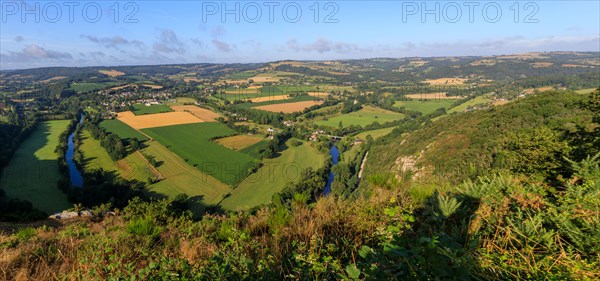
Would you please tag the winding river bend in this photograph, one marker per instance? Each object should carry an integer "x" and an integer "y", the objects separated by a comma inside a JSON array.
[
  {"x": 74, "y": 173},
  {"x": 335, "y": 157}
]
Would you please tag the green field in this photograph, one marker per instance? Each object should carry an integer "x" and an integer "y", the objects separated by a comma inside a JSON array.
[
  {"x": 585, "y": 91},
  {"x": 140, "y": 109},
  {"x": 121, "y": 129},
  {"x": 476, "y": 101},
  {"x": 192, "y": 142},
  {"x": 255, "y": 150},
  {"x": 367, "y": 115},
  {"x": 180, "y": 178},
  {"x": 32, "y": 173},
  {"x": 88, "y": 87},
  {"x": 132, "y": 167},
  {"x": 425, "y": 106},
  {"x": 272, "y": 177},
  {"x": 374, "y": 133}
]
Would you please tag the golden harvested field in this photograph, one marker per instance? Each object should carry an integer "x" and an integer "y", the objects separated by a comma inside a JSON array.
[
  {"x": 446, "y": 81},
  {"x": 157, "y": 120},
  {"x": 202, "y": 113},
  {"x": 431, "y": 96},
  {"x": 318, "y": 94},
  {"x": 541, "y": 89},
  {"x": 266, "y": 78},
  {"x": 238, "y": 142},
  {"x": 269, "y": 98},
  {"x": 112, "y": 72},
  {"x": 574, "y": 65},
  {"x": 541, "y": 64},
  {"x": 288, "y": 107}
]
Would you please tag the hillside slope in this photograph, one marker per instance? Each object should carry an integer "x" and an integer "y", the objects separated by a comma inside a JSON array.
[{"x": 530, "y": 134}]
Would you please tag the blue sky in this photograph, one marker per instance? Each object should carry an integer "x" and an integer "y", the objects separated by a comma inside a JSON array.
[{"x": 162, "y": 32}]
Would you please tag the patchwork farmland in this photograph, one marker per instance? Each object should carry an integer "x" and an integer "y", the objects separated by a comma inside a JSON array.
[{"x": 192, "y": 142}]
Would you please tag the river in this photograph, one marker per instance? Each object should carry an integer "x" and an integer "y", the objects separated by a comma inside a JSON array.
[
  {"x": 74, "y": 173},
  {"x": 335, "y": 157}
]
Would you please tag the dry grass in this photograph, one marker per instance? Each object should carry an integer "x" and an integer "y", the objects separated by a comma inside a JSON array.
[
  {"x": 288, "y": 107},
  {"x": 541, "y": 89},
  {"x": 318, "y": 94},
  {"x": 202, "y": 113},
  {"x": 486, "y": 62},
  {"x": 269, "y": 98},
  {"x": 157, "y": 120},
  {"x": 446, "y": 81},
  {"x": 574, "y": 65},
  {"x": 112, "y": 72},
  {"x": 431, "y": 96},
  {"x": 541, "y": 64},
  {"x": 238, "y": 142},
  {"x": 154, "y": 87}
]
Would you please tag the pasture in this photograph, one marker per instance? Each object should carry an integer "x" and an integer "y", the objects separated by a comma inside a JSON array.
[
  {"x": 90, "y": 86},
  {"x": 585, "y": 91},
  {"x": 238, "y": 142},
  {"x": 366, "y": 116},
  {"x": 32, "y": 173},
  {"x": 288, "y": 107},
  {"x": 157, "y": 120},
  {"x": 121, "y": 129},
  {"x": 425, "y": 106},
  {"x": 203, "y": 114},
  {"x": 479, "y": 100},
  {"x": 192, "y": 142},
  {"x": 272, "y": 177},
  {"x": 140, "y": 109},
  {"x": 132, "y": 167},
  {"x": 180, "y": 177}
]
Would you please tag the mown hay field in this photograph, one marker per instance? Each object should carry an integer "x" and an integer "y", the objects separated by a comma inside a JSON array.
[
  {"x": 157, "y": 120},
  {"x": 288, "y": 107},
  {"x": 204, "y": 114}
]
